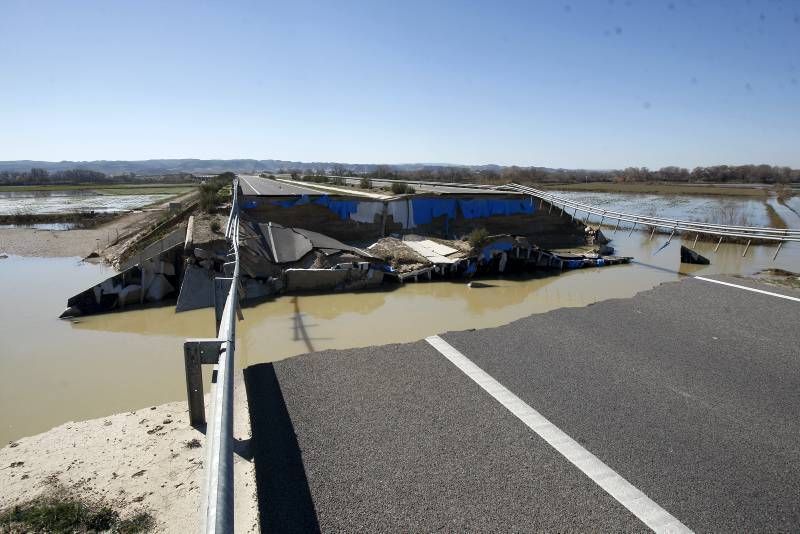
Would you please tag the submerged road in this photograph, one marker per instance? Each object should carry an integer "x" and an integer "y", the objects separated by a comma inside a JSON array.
[{"x": 674, "y": 410}]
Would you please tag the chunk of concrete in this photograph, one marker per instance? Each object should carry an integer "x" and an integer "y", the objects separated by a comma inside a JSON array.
[
  {"x": 197, "y": 289},
  {"x": 158, "y": 289},
  {"x": 314, "y": 279},
  {"x": 690, "y": 256}
]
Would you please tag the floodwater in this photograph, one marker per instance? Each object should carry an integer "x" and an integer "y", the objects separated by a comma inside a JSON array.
[
  {"x": 69, "y": 201},
  {"x": 53, "y": 371},
  {"x": 735, "y": 211}
]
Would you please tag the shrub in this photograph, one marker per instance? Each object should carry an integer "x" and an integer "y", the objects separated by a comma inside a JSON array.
[
  {"x": 399, "y": 188},
  {"x": 315, "y": 178},
  {"x": 215, "y": 226},
  {"x": 365, "y": 183},
  {"x": 208, "y": 196},
  {"x": 478, "y": 237},
  {"x": 338, "y": 180}
]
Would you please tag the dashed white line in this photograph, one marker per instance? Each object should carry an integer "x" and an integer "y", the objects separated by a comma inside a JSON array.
[
  {"x": 754, "y": 290},
  {"x": 650, "y": 513}
]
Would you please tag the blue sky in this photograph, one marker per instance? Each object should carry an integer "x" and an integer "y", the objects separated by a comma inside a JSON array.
[{"x": 572, "y": 84}]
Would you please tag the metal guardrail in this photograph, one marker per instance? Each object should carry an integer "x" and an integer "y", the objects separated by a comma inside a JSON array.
[
  {"x": 217, "y": 497},
  {"x": 751, "y": 233}
]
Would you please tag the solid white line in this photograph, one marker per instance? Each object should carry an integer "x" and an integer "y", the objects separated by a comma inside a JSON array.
[
  {"x": 650, "y": 513},
  {"x": 255, "y": 191},
  {"x": 754, "y": 290}
]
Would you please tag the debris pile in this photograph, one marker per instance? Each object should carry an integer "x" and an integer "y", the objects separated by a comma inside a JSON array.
[
  {"x": 293, "y": 259},
  {"x": 274, "y": 259}
]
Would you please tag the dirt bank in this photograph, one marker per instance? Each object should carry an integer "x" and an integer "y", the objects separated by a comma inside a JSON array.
[
  {"x": 79, "y": 242},
  {"x": 149, "y": 460}
]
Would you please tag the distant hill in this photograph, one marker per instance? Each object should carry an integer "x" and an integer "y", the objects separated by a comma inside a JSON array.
[{"x": 200, "y": 166}]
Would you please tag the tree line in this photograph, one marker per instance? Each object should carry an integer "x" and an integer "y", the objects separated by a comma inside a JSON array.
[
  {"x": 37, "y": 176},
  {"x": 766, "y": 174}
]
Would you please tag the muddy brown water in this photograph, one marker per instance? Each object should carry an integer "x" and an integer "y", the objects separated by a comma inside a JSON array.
[{"x": 53, "y": 371}]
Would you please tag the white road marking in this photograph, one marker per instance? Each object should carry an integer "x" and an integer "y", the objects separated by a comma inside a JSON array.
[
  {"x": 650, "y": 513},
  {"x": 754, "y": 290},
  {"x": 249, "y": 184}
]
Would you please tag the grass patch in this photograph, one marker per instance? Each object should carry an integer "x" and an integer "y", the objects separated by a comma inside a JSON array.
[
  {"x": 657, "y": 188},
  {"x": 59, "y": 513}
]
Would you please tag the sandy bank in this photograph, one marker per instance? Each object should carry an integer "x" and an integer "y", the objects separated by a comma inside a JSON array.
[{"x": 147, "y": 460}]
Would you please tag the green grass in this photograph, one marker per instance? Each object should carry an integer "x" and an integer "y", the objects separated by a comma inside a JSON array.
[
  {"x": 64, "y": 514},
  {"x": 110, "y": 189},
  {"x": 658, "y": 188}
]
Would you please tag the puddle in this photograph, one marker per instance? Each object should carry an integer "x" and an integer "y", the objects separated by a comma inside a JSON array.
[{"x": 53, "y": 371}]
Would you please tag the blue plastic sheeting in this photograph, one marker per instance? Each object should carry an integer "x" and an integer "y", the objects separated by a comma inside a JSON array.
[
  {"x": 600, "y": 262},
  {"x": 250, "y": 204},
  {"x": 574, "y": 264},
  {"x": 486, "y": 207},
  {"x": 342, "y": 208},
  {"x": 427, "y": 209},
  {"x": 488, "y": 250}
]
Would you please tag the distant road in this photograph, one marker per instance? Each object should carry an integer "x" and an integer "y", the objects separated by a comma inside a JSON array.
[
  {"x": 677, "y": 407},
  {"x": 428, "y": 187}
]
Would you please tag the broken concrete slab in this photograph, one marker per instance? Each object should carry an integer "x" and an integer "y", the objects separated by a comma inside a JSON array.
[
  {"x": 434, "y": 252},
  {"x": 197, "y": 289},
  {"x": 298, "y": 280},
  {"x": 314, "y": 279},
  {"x": 285, "y": 244},
  {"x": 690, "y": 256}
]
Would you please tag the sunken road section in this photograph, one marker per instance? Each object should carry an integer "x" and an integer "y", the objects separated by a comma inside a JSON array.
[{"x": 688, "y": 391}]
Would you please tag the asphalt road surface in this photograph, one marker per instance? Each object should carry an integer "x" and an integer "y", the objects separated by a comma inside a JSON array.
[
  {"x": 255, "y": 185},
  {"x": 690, "y": 392}
]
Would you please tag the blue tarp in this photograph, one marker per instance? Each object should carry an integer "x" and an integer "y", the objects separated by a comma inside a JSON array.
[
  {"x": 424, "y": 209},
  {"x": 485, "y": 207},
  {"x": 342, "y": 208},
  {"x": 427, "y": 209}
]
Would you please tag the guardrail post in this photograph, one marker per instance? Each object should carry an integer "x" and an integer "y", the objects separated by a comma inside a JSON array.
[
  {"x": 194, "y": 384},
  {"x": 197, "y": 352}
]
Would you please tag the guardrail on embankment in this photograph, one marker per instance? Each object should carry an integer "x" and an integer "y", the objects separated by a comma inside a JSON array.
[
  {"x": 217, "y": 497},
  {"x": 748, "y": 233}
]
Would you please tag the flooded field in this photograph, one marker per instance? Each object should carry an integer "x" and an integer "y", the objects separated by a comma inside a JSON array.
[
  {"x": 738, "y": 211},
  {"x": 53, "y": 371},
  {"x": 71, "y": 200}
]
